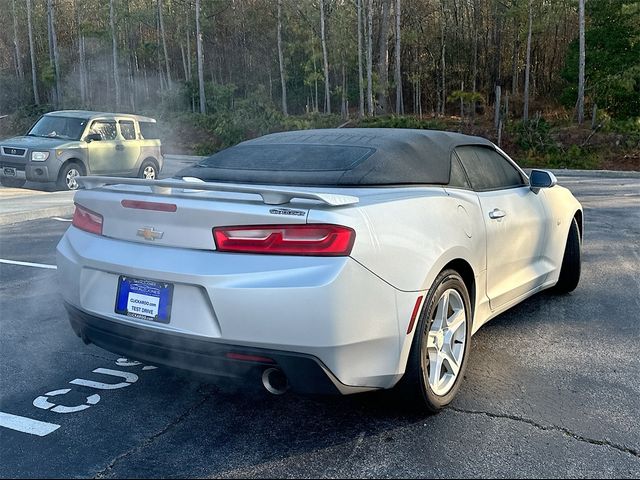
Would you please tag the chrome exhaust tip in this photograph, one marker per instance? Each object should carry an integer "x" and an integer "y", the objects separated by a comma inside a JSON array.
[{"x": 275, "y": 381}]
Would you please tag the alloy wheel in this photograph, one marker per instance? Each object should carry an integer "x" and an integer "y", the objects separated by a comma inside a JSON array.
[{"x": 446, "y": 341}]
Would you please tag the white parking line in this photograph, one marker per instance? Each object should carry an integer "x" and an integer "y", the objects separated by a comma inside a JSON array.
[
  {"x": 28, "y": 264},
  {"x": 27, "y": 425}
]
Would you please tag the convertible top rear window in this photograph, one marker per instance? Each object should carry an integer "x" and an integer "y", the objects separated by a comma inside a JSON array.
[{"x": 289, "y": 157}]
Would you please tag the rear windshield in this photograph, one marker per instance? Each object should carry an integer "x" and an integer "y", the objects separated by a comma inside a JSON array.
[
  {"x": 289, "y": 157},
  {"x": 149, "y": 130}
]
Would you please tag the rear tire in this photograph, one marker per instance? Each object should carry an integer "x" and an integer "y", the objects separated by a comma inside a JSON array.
[
  {"x": 148, "y": 170},
  {"x": 67, "y": 176},
  {"x": 571, "y": 262},
  {"x": 440, "y": 347},
  {"x": 12, "y": 182}
]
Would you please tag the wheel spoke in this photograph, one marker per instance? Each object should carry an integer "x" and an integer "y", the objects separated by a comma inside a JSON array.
[
  {"x": 441, "y": 313},
  {"x": 435, "y": 370},
  {"x": 431, "y": 341},
  {"x": 454, "y": 367},
  {"x": 456, "y": 320}
]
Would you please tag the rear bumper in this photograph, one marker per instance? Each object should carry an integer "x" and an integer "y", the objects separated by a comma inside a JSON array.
[{"x": 305, "y": 373}]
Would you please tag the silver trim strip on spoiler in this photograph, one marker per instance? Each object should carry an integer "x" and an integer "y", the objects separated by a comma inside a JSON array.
[{"x": 270, "y": 195}]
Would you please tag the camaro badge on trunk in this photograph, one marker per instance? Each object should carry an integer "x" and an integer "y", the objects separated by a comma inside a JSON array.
[{"x": 149, "y": 233}]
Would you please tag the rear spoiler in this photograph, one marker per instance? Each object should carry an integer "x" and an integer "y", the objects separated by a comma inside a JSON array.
[{"x": 270, "y": 195}]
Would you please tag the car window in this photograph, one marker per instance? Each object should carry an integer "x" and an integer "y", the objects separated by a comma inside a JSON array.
[
  {"x": 149, "y": 130},
  {"x": 127, "y": 129},
  {"x": 68, "y": 128},
  {"x": 106, "y": 129},
  {"x": 487, "y": 169},
  {"x": 458, "y": 178}
]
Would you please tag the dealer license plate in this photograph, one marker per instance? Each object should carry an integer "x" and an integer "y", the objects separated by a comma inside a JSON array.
[{"x": 144, "y": 299}]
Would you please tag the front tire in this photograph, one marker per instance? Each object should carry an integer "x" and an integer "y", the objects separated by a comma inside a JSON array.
[
  {"x": 68, "y": 175},
  {"x": 12, "y": 182},
  {"x": 571, "y": 261},
  {"x": 440, "y": 347}
]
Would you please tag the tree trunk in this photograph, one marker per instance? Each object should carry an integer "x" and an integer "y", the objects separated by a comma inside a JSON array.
[
  {"x": 32, "y": 53},
  {"x": 16, "y": 44},
  {"x": 114, "y": 42},
  {"x": 327, "y": 94},
  {"x": 82, "y": 65},
  {"x": 527, "y": 69},
  {"x": 514, "y": 63},
  {"x": 398, "y": 76},
  {"x": 164, "y": 43},
  {"x": 383, "y": 60},
  {"x": 476, "y": 22},
  {"x": 443, "y": 33},
  {"x": 283, "y": 82},
  {"x": 360, "y": 77},
  {"x": 203, "y": 108},
  {"x": 581, "y": 64},
  {"x": 53, "y": 52},
  {"x": 370, "y": 57}
]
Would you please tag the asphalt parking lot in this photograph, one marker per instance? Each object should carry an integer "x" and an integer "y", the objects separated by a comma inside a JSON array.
[{"x": 552, "y": 388}]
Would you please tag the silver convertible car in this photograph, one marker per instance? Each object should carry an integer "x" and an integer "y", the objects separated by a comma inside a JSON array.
[{"x": 323, "y": 261}]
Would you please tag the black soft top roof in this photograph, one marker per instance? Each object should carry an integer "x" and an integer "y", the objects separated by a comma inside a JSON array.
[{"x": 337, "y": 157}]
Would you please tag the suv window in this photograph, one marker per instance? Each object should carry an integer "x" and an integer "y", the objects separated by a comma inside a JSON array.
[
  {"x": 127, "y": 129},
  {"x": 457, "y": 178},
  {"x": 488, "y": 170},
  {"x": 149, "y": 130},
  {"x": 106, "y": 129}
]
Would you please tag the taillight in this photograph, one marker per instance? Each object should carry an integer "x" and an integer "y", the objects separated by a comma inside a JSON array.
[
  {"x": 314, "y": 239},
  {"x": 86, "y": 220}
]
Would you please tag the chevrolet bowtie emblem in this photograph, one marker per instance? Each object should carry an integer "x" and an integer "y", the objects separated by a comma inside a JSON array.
[{"x": 149, "y": 233}]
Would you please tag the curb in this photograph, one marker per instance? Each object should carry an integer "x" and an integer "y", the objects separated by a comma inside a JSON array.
[
  {"x": 25, "y": 216},
  {"x": 593, "y": 173}
]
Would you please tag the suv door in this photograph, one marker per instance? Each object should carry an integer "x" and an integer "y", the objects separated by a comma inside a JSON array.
[
  {"x": 130, "y": 152},
  {"x": 102, "y": 154},
  {"x": 514, "y": 218}
]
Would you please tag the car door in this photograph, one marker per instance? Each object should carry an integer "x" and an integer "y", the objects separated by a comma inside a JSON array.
[
  {"x": 515, "y": 221},
  {"x": 130, "y": 147},
  {"x": 104, "y": 154}
]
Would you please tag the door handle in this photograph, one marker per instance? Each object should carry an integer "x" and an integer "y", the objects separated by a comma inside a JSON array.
[
  {"x": 119, "y": 147},
  {"x": 496, "y": 213}
]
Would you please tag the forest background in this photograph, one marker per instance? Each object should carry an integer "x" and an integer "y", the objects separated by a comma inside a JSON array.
[{"x": 216, "y": 72}]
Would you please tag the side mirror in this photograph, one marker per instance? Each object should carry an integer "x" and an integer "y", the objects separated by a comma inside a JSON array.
[
  {"x": 541, "y": 179},
  {"x": 93, "y": 137}
]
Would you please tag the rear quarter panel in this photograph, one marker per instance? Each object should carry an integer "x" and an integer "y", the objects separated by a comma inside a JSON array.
[{"x": 408, "y": 236}]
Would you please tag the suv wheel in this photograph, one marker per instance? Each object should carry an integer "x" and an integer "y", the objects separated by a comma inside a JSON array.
[
  {"x": 148, "y": 170},
  {"x": 67, "y": 177}
]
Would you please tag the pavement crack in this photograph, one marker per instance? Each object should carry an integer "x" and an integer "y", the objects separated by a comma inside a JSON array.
[
  {"x": 551, "y": 428},
  {"x": 148, "y": 441}
]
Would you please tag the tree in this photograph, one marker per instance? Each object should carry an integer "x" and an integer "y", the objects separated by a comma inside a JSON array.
[
  {"x": 360, "y": 77},
  {"x": 370, "y": 57},
  {"x": 281, "y": 61},
  {"x": 53, "y": 52},
  {"x": 164, "y": 43},
  {"x": 527, "y": 71},
  {"x": 398, "y": 75},
  {"x": 383, "y": 58},
  {"x": 32, "y": 53},
  {"x": 16, "y": 44},
  {"x": 581, "y": 63},
  {"x": 325, "y": 61},
  {"x": 114, "y": 44},
  {"x": 203, "y": 107}
]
